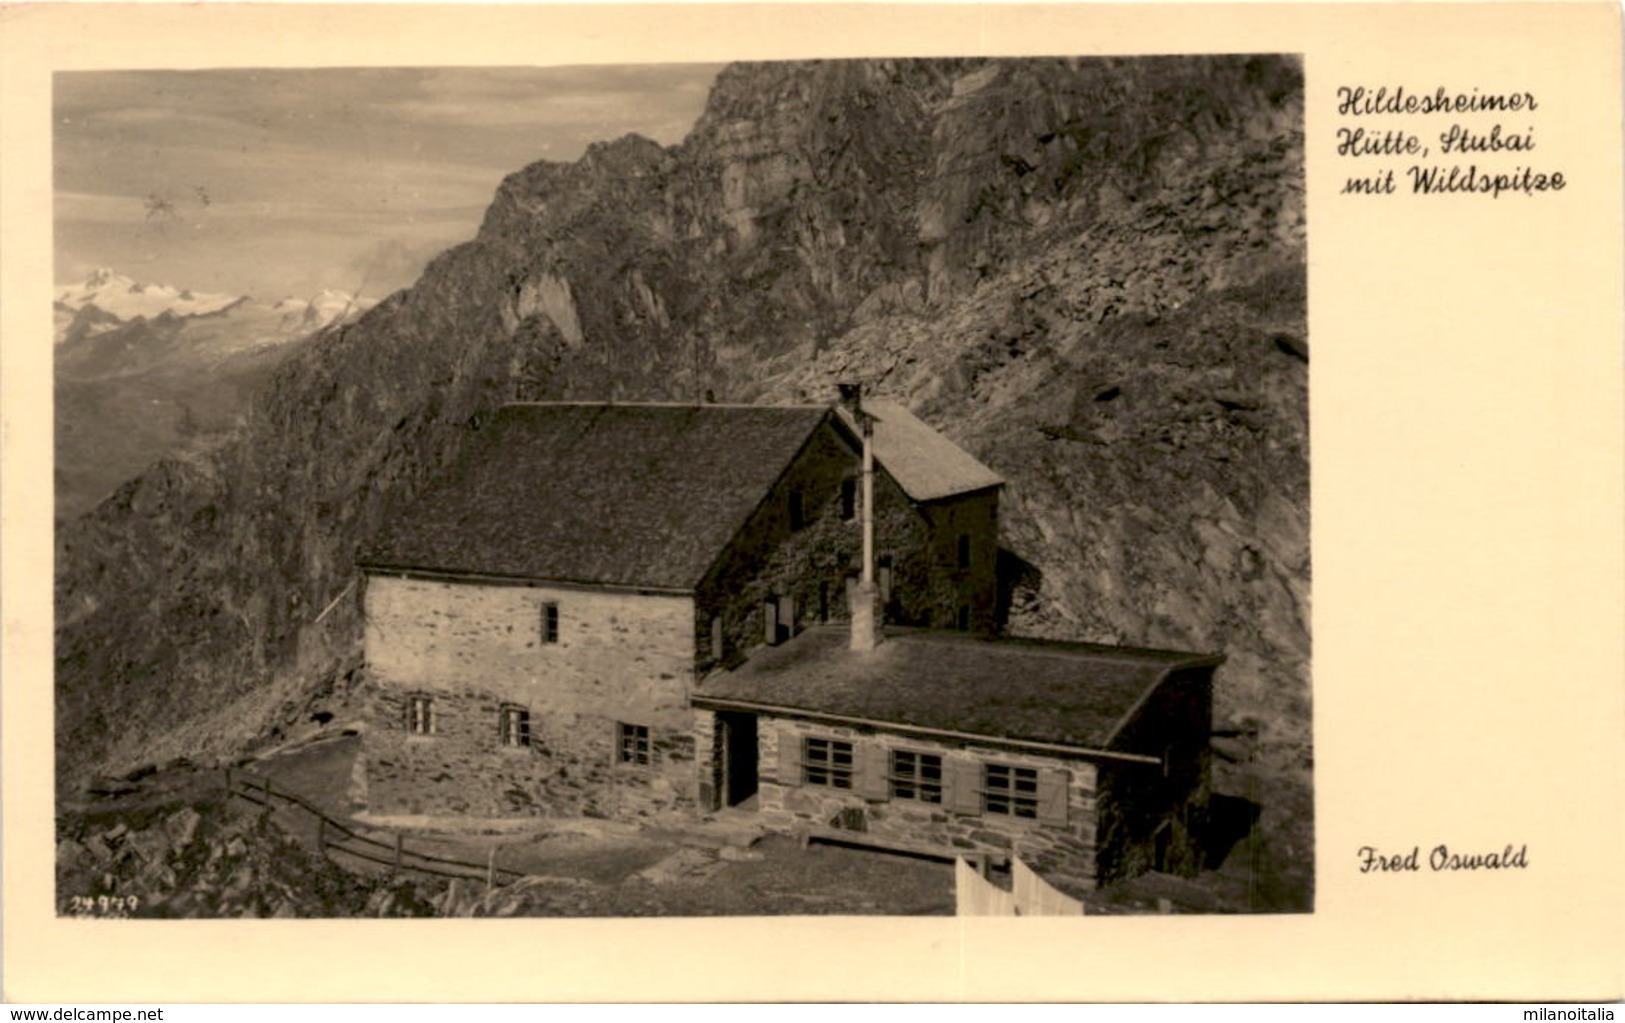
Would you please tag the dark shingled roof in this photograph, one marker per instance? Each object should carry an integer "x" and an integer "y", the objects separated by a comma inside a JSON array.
[
  {"x": 626, "y": 495},
  {"x": 1071, "y": 694}
]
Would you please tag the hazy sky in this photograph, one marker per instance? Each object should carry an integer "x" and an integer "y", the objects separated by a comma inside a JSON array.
[{"x": 278, "y": 182}]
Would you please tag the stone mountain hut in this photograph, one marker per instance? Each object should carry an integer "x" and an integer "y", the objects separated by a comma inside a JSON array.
[{"x": 624, "y": 610}]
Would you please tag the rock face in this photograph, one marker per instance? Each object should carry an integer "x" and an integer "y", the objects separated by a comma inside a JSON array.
[
  {"x": 1090, "y": 273},
  {"x": 199, "y": 859}
]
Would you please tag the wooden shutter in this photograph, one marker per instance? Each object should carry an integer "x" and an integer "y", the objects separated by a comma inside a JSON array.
[
  {"x": 1052, "y": 789},
  {"x": 787, "y": 616},
  {"x": 964, "y": 781},
  {"x": 789, "y": 757},
  {"x": 873, "y": 765}
]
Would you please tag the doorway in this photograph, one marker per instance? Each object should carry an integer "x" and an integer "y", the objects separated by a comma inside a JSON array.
[
  {"x": 1160, "y": 842},
  {"x": 737, "y": 733}
]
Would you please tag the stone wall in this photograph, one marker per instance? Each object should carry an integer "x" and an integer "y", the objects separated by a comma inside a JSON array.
[
  {"x": 810, "y": 562},
  {"x": 1175, "y": 723},
  {"x": 1063, "y": 850},
  {"x": 471, "y": 649},
  {"x": 960, "y": 582}
]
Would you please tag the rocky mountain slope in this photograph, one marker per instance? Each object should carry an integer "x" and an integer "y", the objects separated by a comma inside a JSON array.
[
  {"x": 1090, "y": 273},
  {"x": 146, "y": 370}
]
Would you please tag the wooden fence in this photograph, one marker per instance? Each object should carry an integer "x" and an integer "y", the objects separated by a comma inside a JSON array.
[{"x": 334, "y": 836}]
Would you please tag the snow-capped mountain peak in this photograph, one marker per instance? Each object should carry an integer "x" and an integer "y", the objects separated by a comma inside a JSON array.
[
  {"x": 106, "y": 300},
  {"x": 123, "y": 297}
]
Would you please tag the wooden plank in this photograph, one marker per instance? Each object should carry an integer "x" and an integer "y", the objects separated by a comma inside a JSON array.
[{"x": 942, "y": 852}]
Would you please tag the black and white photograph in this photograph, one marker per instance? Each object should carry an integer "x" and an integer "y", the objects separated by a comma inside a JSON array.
[
  {"x": 840, "y": 487},
  {"x": 811, "y": 504}
]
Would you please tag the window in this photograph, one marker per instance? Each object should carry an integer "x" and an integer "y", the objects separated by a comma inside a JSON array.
[
  {"x": 916, "y": 776},
  {"x": 964, "y": 618},
  {"x": 716, "y": 637},
  {"x": 514, "y": 725},
  {"x": 797, "y": 517},
  {"x": 826, "y": 762},
  {"x": 964, "y": 550},
  {"x": 632, "y": 743},
  {"x": 420, "y": 715},
  {"x": 849, "y": 499},
  {"x": 550, "y": 622},
  {"x": 1010, "y": 790}
]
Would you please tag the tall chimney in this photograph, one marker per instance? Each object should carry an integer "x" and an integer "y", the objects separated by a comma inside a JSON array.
[
  {"x": 851, "y": 397},
  {"x": 866, "y": 618}
]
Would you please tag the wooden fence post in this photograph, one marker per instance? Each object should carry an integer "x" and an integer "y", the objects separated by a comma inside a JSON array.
[{"x": 397, "y": 851}]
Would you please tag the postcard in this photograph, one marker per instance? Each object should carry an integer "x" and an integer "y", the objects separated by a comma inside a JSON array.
[{"x": 699, "y": 502}]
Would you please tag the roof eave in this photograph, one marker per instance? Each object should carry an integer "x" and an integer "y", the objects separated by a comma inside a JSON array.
[
  {"x": 1194, "y": 661},
  {"x": 949, "y": 494},
  {"x": 374, "y": 567},
  {"x": 706, "y": 702}
]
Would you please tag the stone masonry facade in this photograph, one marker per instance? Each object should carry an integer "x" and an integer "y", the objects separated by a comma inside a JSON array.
[
  {"x": 1139, "y": 802},
  {"x": 596, "y": 703},
  {"x": 802, "y": 548},
  {"x": 1061, "y": 848}
]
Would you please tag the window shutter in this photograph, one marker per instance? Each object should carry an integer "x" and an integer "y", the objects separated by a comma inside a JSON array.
[
  {"x": 1052, "y": 787},
  {"x": 874, "y": 764},
  {"x": 789, "y": 757},
  {"x": 964, "y": 779},
  {"x": 787, "y": 616}
]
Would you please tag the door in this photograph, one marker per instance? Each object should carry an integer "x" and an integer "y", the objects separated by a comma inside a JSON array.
[{"x": 738, "y": 733}]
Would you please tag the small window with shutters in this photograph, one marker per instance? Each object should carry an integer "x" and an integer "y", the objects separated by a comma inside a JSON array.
[
  {"x": 513, "y": 726},
  {"x": 550, "y": 622},
  {"x": 849, "y": 499},
  {"x": 1008, "y": 790},
  {"x": 861, "y": 767},
  {"x": 420, "y": 715}
]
